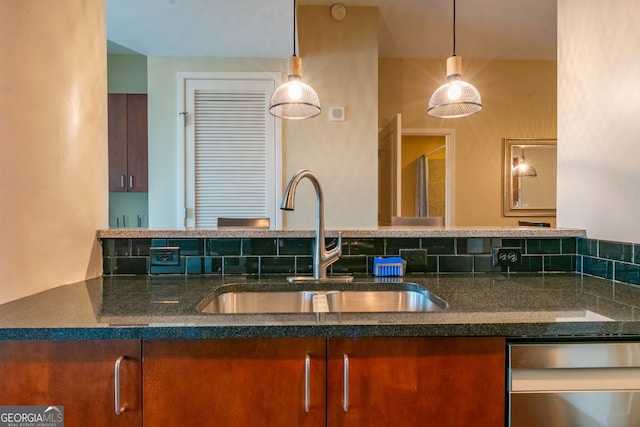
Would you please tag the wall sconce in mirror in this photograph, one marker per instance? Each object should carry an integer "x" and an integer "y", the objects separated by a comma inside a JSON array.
[
  {"x": 529, "y": 183},
  {"x": 521, "y": 167}
]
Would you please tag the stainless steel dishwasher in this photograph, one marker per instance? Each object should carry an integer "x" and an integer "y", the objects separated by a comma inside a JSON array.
[{"x": 574, "y": 384}]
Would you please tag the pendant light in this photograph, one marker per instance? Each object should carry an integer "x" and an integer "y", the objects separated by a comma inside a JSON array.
[
  {"x": 456, "y": 98},
  {"x": 294, "y": 99}
]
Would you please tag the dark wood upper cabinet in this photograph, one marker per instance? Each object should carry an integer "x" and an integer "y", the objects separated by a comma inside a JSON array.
[{"x": 128, "y": 143}]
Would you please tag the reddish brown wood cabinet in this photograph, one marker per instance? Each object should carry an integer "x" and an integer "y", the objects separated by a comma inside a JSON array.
[
  {"x": 275, "y": 382},
  {"x": 235, "y": 382},
  {"x": 79, "y": 375},
  {"x": 356, "y": 382},
  {"x": 128, "y": 143},
  {"x": 416, "y": 382}
]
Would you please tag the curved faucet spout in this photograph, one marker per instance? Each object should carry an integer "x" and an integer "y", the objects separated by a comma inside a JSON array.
[
  {"x": 290, "y": 191},
  {"x": 321, "y": 257}
]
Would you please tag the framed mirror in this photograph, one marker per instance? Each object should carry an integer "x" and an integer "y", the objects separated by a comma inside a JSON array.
[{"x": 529, "y": 177}]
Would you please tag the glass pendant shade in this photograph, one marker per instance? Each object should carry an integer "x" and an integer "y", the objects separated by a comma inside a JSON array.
[
  {"x": 294, "y": 99},
  {"x": 456, "y": 98}
]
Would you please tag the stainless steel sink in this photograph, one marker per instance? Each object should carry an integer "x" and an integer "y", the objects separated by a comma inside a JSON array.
[
  {"x": 325, "y": 297},
  {"x": 383, "y": 301},
  {"x": 259, "y": 302}
]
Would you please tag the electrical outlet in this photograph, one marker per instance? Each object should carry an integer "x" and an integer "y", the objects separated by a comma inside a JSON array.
[
  {"x": 507, "y": 256},
  {"x": 416, "y": 259},
  {"x": 164, "y": 255}
]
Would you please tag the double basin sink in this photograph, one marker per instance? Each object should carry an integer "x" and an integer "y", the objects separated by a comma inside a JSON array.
[{"x": 321, "y": 297}]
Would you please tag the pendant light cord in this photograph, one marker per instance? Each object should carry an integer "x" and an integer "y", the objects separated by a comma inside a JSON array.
[
  {"x": 454, "y": 27},
  {"x": 294, "y": 27}
]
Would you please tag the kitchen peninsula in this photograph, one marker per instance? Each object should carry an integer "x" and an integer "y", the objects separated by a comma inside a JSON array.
[
  {"x": 144, "y": 314},
  {"x": 548, "y": 294}
]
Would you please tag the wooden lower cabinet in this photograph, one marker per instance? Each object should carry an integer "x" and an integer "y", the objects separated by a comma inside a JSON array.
[
  {"x": 235, "y": 382},
  {"x": 416, "y": 382},
  {"x": 262, "y": 382},
  {"x": 79, "y": 375},
  {"x": 381, "y": 382}
]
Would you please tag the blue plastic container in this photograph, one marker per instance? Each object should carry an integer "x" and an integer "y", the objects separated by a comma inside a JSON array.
[{"x": 388, "y": 267}]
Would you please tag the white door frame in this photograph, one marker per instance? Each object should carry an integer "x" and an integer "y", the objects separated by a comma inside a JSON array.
[{"x": 185, "y": 116}]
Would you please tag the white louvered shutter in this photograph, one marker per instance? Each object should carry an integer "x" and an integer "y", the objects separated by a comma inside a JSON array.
[{"x": 232, "y": 150}]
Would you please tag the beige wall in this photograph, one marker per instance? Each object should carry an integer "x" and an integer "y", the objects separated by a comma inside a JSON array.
[
  {"x": 598, "y": 126},
  {"x": 53, "y": 160},
  {"x": 339, "y": 60},
  {"x": 519, "y": 100}
]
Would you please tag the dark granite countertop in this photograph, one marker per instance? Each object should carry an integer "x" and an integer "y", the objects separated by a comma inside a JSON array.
[{"x": 164, "y": 307}]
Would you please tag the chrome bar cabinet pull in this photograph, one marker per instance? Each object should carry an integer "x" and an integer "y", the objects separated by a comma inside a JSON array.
[
  {"x": 345, "y": 404},
  {"x": 116, "y": 375},
  {"x": 307, "y": 382}
]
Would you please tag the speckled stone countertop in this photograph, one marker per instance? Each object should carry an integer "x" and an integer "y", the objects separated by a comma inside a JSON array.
[
  {"x": 228, "y": 232},
  {"x": 164, "y": 307}
]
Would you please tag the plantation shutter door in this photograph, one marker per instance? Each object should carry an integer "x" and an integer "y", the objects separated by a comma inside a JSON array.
[{"x": 233, "y": 150}]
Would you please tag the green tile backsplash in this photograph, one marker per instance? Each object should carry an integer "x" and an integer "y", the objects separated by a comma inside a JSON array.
[
  {"x": 612, "y": 260},
  {"x": 543, "y": 246},
  {"x": 439, "y": 246},
  {"x": 616, "y": 261},
  {"x": 259, "y": 247},
  {"x": 615, "y": 250}
]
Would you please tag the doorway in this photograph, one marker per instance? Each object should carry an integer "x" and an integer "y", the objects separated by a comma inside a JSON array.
[
  {"x": 423, "y": 175},
  {"x": 400, "y": 152}
]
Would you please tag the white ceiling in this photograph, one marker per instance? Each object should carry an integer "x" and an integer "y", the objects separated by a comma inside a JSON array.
[{"x": 486, "y": 29}]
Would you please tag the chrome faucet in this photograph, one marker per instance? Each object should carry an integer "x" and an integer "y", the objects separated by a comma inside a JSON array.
[{"x": 321, "y": 257}]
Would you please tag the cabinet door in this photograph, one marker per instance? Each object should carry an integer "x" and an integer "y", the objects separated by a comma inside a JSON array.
[
  {"x": 78, "y": 375},
  {"x": 416, "y": 382},
  {"x": 118, "y": 174},
  {"x": 137, "y": 151},
  {"x": 128, "y": 143},
  {"x": 235, "y": 382}
]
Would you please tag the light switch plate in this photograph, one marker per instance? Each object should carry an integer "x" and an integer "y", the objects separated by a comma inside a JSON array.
[{"x": 336, "y": 113}]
